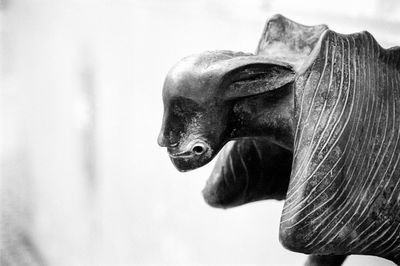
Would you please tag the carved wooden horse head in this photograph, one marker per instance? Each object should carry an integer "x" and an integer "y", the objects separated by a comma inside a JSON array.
[{"x": 315, "y": 119}]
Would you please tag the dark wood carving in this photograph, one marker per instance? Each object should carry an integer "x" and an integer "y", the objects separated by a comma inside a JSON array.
[{"x": 314, "y": 117}]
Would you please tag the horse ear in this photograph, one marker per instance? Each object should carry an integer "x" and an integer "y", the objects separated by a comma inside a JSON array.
[{"x": 252, "y": 78}]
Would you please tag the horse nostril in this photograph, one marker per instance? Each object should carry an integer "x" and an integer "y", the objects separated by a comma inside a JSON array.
[{"x": 198, "y": 149}]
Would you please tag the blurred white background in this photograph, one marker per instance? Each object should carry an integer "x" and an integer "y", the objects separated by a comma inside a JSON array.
[{"x": 83, "y": 181}]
